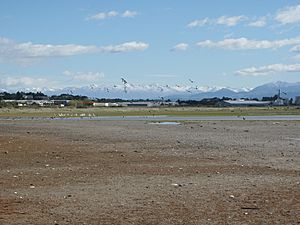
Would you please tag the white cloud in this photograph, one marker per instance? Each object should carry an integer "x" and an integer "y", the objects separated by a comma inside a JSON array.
[
  {"x": 180, "y": 47},
  {"x": 296, "y": 49},
  {"x": 112, "y": 14},
  {"x": 10, "y": 50},
  {"x": 103, "y": 15},
  {"x": 198, "y": 23},
  {"x": 22, "y": 81},
  {"x": 129, "y": 14},
  {"x": 261, "y": 22},
  {"x": 269, "y": 69},
  {"x": 289, "y": 15},
  {"x": 125, "y": 47},
  {"x": 230, "y": 21},
  {"x": 84, "y": 76},
  {"x": 28, "y": 52},
  {"x": 246, "y": 44}
]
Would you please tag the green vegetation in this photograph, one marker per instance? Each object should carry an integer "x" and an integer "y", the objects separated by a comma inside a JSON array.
[{"x": 170, "y": 111}]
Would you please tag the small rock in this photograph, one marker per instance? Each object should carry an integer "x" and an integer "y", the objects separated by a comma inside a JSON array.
[{"x": 176, "y": 185}]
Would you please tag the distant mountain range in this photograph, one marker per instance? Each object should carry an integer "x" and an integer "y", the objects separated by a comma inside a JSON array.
[
  {"x": 288, "y": 90},
  {"x": 156, "y": 91}
]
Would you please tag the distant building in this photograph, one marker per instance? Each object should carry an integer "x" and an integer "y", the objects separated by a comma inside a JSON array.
[
  {"x": 106, "y": 104},
  {"x": 28, "y": 97},
  {"x": 143, "y": 104},
  {"x": 242, "y": 102},
  {"x": 139, "y": 104},
  {"x": 279, "y": 101},
  {"x": 99, "y": 104},
  {"x": 61, "y": 103},
  {"x": 22, "y": 103},
  {"x": 297, "y": 100},
  {"x": 134, "y": 104}
]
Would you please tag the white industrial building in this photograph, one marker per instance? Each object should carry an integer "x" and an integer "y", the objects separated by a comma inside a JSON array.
[{"x": 242, "y": 102}]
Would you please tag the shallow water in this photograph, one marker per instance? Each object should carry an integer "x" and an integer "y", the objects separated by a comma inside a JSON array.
[
  {"x": 165, "y": 118},
  {"x": 165, "y": 123}
]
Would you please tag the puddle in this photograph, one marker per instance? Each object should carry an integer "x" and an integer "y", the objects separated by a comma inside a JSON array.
[
  {"x": 295, "y": 139},
  {"x": 165, "y": 123}
]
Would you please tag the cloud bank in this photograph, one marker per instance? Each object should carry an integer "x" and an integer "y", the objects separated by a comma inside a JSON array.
[
  {"x": 289, "y": 15},
  {"x": 180, "y": 47},
  {"x": 22, "y": 82},
  {"x": 28, "y": 52},
  {"x": 248, "y": 44},
  {"x": 269, "y": 69},
  {"x": 261, "y": 22},
  {"x": 228, "y": 21},
  {"x": 112, "y": 14}
]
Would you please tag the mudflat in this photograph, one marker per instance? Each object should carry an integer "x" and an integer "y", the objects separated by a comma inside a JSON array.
[{"x": 136, "y": 172}]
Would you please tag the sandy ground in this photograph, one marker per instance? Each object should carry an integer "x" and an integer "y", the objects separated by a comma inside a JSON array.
[{"x": 105, "y": 172}]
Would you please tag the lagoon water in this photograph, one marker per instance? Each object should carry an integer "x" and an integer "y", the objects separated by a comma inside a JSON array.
[{"x": 164, "y": 118}]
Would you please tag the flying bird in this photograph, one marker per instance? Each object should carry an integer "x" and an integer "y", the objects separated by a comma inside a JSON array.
[
  {"x": 92, "y": 86},
  {"x": 124, "y": 81},
  {"x": 161, "y": 89}
]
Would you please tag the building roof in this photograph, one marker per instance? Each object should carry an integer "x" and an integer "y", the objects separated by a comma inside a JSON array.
[{"x": 247, "y": 102}]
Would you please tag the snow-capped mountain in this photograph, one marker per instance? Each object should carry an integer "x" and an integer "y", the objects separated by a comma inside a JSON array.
[
  {"x": 174, "y": 92},
  {"x": 288, "y": 90}
]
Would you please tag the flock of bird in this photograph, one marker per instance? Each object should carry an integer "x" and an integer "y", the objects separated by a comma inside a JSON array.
[{"x": 125, "y": 85}]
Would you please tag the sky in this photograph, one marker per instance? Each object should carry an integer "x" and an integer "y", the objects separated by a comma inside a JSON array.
[{"x": 72, "y": 43}]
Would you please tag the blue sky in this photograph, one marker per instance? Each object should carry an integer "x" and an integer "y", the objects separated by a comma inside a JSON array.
[{"x": 69, "y": 43}]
